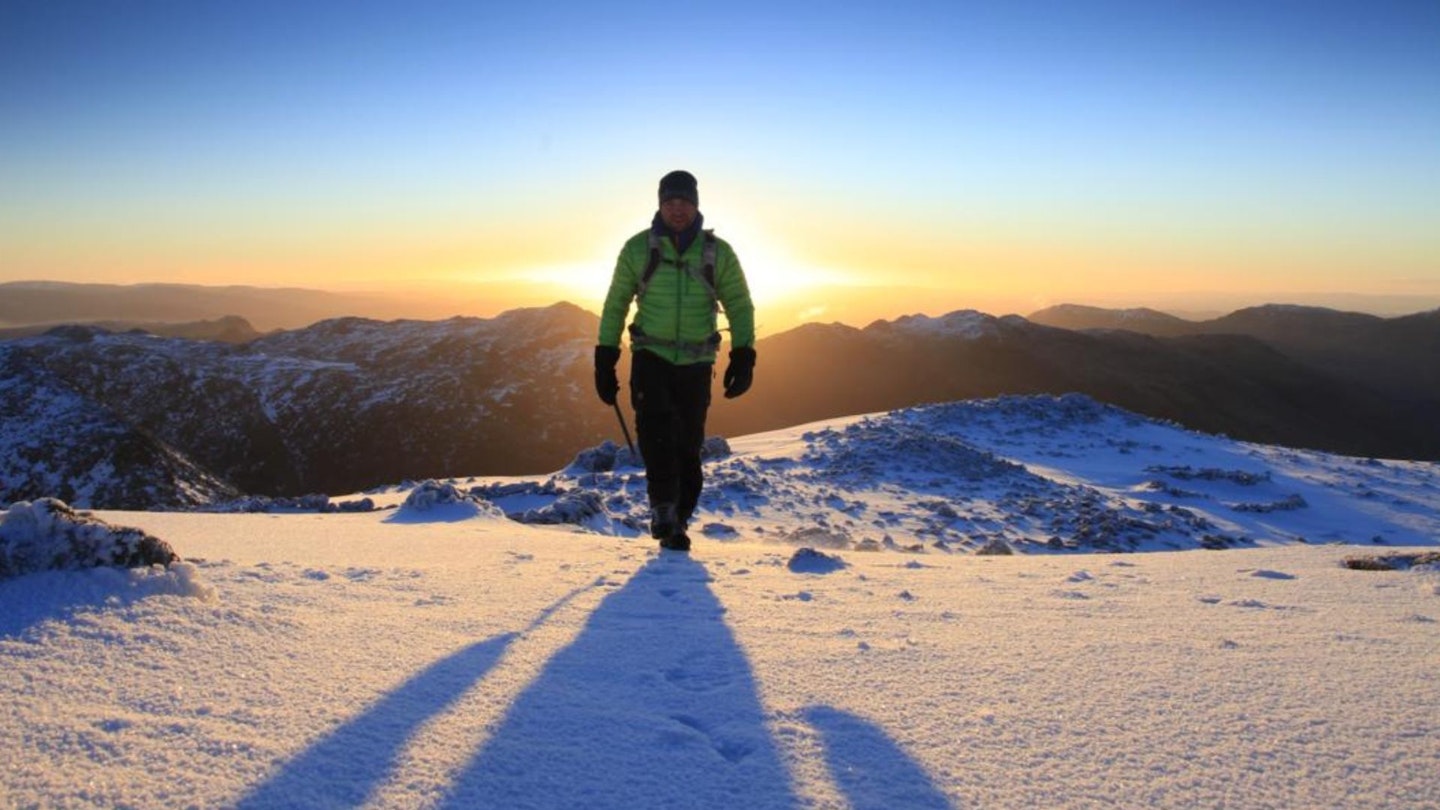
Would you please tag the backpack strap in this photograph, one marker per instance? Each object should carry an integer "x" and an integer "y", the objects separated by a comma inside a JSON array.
[
  {"x": 707, "y": 269},
  {"x": 650, "y": 265}
]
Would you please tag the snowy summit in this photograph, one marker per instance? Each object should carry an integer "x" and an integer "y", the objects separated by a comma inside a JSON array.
[{"x": 926, "y": 608}]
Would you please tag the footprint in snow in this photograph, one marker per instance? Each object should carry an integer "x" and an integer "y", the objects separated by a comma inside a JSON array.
[
  {"x": 732, "y": 750},
  {"x": 698, "y": 673}
]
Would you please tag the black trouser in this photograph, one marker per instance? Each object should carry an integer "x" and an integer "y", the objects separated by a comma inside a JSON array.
[{"x": 670, "y": 404}]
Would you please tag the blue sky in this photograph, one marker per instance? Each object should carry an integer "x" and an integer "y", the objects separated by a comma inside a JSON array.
[{"x": 1287, "y": 145}]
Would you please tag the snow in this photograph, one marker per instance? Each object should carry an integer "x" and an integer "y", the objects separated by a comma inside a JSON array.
[
  {"x": 436, "y": 654},
  {"x": 963, "y": 324}
]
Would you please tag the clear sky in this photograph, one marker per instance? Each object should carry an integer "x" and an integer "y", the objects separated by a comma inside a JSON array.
[{"x": 927, "y": 156}]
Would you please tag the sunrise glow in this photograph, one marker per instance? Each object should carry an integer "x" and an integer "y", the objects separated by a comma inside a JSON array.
[{"x": 928, "y": 156}]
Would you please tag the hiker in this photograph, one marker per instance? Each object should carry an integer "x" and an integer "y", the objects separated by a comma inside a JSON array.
[{"x": 681, "y": 275}]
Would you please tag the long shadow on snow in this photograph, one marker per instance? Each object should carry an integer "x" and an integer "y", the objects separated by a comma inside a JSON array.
[
  {"x": 869, "y": 768},
  {"x": 345, "y": 767},
  {"x": 653, "y": 705}
]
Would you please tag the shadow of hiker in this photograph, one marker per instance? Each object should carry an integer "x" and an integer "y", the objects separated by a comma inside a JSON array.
[
  {"x": 869, "y": 768},
  {"x": 345, "y": 767},
  {"x": 653, "y": 705}
]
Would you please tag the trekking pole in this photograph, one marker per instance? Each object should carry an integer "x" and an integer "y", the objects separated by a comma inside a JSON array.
[{"x": 624, "y": 428}]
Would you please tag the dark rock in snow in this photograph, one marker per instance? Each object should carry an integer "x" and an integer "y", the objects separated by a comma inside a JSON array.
[
  {"x": 996, "y": 547},
  {"x": 605, "y": 457},
  {"x": 809, "y": 561},
  {"x": 47, "y": 535},
  {"x": 428, "y": 495},
  {"x": 571, "y": 507}
]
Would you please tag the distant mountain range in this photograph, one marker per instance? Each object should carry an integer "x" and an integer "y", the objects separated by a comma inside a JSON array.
[
  {"x": 229, "y": 329},
  {"x": 1397, "y": 356},
  {"x": 131, "y": 420},
  {"x": 44, "y": 304}
]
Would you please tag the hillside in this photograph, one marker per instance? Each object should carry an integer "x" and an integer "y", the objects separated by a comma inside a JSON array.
[
  {"x": 338, "y": 406},
  {"x": 1229, "y": 384},
  {"x": 140, "y": 421}
]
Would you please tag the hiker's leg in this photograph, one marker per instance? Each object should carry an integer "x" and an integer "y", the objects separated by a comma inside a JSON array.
[
  {"x": 656, "y": 424},
  {"x": 692, "y": 403}
]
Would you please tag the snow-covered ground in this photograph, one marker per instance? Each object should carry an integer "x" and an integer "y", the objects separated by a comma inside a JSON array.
[{"x": 443, "y": 655}]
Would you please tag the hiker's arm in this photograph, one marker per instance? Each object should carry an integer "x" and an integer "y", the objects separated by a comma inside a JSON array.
[
  {"x": 734, "y": 295},
  {"x": 617, "y": 301}
]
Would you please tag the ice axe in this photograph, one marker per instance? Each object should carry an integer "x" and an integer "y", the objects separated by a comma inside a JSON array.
[{"x": 624, "y": 428}]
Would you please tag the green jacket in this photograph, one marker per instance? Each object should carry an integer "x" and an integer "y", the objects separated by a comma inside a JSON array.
[{"x": 676, "y": 307}]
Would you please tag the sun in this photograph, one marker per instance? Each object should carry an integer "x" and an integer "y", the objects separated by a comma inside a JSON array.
[
  {"x": 775, "y": 274},
  {"x": 771, "y": 274}
]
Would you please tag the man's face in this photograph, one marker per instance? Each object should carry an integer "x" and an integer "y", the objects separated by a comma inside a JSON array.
[{"x": 678, "y": 213}]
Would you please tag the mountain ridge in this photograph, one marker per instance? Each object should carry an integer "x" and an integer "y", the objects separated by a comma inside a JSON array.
[
  {"x": 350, "y": 402},
  {"x": 1393, "y": 355}
]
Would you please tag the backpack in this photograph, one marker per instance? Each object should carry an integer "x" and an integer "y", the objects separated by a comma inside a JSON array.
[{"x": 705, "y": 275}]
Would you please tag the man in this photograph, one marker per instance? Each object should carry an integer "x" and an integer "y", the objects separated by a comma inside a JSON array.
[{"x": 680, "y": 274}]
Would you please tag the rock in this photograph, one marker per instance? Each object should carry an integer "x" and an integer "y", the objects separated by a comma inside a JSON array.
[
  {"x": 47, "y": 535},
  {"x": 809, "y": 561},
  {"x": 995, "y": 547}
]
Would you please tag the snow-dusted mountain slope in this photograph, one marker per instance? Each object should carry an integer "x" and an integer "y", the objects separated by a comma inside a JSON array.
[
  {"x": 1024, "y": 473},
  {"x": 57, "y": 443},
  {"x": 323, "y": 409},
  {"x": 105, "y": 420}
]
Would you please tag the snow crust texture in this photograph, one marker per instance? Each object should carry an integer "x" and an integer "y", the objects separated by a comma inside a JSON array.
[
  {"x": 346, "y": 661},
  {"x": 523, "y": 644}
]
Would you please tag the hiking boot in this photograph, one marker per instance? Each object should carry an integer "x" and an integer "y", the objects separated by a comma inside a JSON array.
[
  {"x": 664, "y": 522},
  {"x": 679, "y": 541}
]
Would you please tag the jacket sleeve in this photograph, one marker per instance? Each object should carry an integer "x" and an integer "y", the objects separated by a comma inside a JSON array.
[
  {"x": 734, "y": 295},
  {"x": 617, "y": 301}
]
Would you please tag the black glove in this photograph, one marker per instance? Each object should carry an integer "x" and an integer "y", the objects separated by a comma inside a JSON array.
[
  {"x": 741, "y": 371},
  {"x": 607, "y": 385}
]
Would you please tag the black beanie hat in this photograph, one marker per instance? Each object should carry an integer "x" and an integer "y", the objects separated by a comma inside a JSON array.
[{"x": 679, "y": 184}]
